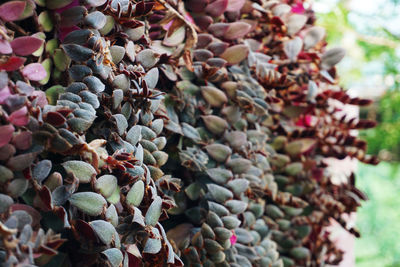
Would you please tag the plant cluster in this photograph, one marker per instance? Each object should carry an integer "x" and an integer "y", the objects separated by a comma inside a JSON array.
[{"x": 171, "y": 133}]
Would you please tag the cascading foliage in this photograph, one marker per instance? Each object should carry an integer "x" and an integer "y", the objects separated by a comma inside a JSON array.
[{"x": 171, "y": 133}]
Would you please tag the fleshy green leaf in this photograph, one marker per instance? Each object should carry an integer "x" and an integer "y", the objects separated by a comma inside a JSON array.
[
  {"x": 154, "y": 212},
  {"x": 105, "y": 231},
  {"x": 135, "y": 194},
  {"x": 88, "y": 202},
  {"x": 114, "y": 256},
  {"x": 106, "y": 184},
  {"x": 80, "y": 169}
]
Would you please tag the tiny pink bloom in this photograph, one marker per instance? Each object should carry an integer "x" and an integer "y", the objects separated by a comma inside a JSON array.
[
  {"x": 233, "y": 239},
  {"x": 305, "y": 121},
  {"x": 298, "y": 8},
  {"x": 308, "y": 119},
  {"x": 19, "y": 117}
]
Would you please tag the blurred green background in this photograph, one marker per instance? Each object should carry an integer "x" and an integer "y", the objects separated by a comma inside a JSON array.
[{"x": 370, "y": 32}]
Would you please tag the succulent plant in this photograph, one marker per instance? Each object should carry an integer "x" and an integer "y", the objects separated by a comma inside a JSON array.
[{"x": 155, "y": 133}]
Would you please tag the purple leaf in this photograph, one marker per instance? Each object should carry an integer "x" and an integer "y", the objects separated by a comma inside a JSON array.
[
  {"x": 24, "y": 88},
  {"x": 235, "y": 5},
  {"x": 3, "y": 79},
  {"x": 6, "y": 133},
  {"x": 4, "y": 94},
  {"x": 203, "y": 21},
  {"x": 218, "y": 29},
  {"x": 61, "y": 6},
  {"x": 36, "y": 217},
  {"x": 41, "y": 98},
  {"x": 34, "y": 72},
  {"x": 63, "y": 32},
  {"x": 23, "y": 140},
  {"x": 19, "y": 117},
  {"x": 237, "y": 30},
  {"x": 26, "y": 45},
  {"x": 5, "y": 47},
  {"x": 217, "y": 8},
  {"x": 196, "y": 5},
  {"x": 11, "y": 11}
]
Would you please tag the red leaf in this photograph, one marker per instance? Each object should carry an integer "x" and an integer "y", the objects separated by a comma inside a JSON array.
[
  {"x": 45, "y": 195},
  {"x": 5, "y": 47},
  {"x": 34, "y": 72},
  {"x": 6, "y": 133},
  {"x": 317, "y": 173},
  {"x": 12, "y": 10},
  {"x": 308, "y": 56},
  {"x": 55, "y": 244},
  {"x": 62, "y": 215},
  {"x": 13, "y": 63},
  {"x": 26, "y": 45},
  {"x": 55, "y": 118},
  {"x": 65, "y": 111},
  {"x": 85, "y": 230},
  {"x": 134, "y": 261},
  {"x": 19, "y": 117},
  {"x": 27, "y": 173}
]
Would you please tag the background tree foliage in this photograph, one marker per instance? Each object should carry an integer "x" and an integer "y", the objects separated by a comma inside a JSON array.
[
  {"x": 367, "y": 29},
  {"x": 371, "y": 68}
]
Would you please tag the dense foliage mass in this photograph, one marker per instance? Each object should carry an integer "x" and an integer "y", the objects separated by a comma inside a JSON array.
[{"x": 155, "y": 133}]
